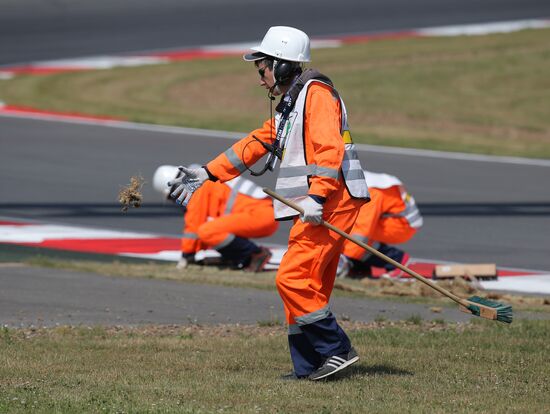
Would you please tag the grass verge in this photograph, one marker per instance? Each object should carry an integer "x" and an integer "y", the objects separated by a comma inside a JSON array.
[
  {"x": 404, "y": 367},
  {"x": 483, "y": 94}
]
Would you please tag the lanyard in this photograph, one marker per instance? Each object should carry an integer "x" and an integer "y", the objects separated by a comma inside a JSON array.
[{"x": 278, "y": 144}]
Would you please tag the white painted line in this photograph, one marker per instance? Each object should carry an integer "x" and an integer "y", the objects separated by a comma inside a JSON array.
[
  {"x": 6, "y": 75},
  {"x": 166, "y": 129},
  {"x": 454, "y": 155},
  {"x": 164, "y": 255},
  {"x": 524, "y": 284},
  {"x": 41, "y": 232},
  {"x": 101, "y": 62},
  {"x": 509, "y": 269},
  {"x": 227, "y": 47},
  {"x": 484, "y": 28}
]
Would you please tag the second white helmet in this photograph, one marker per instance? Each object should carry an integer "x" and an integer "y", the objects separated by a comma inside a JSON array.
[
  {"x": 163, "y": 175},
  {"x": 282, "y": 42}
]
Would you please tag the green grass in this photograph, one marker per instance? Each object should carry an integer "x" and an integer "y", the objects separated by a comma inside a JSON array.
[
  {"x": 482, "y": 94},
  {"x": 413, "y": 367}
]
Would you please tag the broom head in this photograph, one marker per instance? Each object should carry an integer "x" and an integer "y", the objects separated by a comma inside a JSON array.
[{"x": 488, "y": 309}]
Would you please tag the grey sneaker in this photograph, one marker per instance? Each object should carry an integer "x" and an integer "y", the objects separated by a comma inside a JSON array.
[{"x": 335, "y": 364}]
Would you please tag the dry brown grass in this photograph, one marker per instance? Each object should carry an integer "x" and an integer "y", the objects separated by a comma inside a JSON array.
[{"x": 130, "y": 195}]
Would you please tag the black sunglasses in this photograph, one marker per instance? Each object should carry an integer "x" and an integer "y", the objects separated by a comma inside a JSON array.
[{"x": 261, "y": 71}]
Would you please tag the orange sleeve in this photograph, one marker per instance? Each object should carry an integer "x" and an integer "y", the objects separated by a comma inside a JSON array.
[
  {"x": 245, "y": 153},
  {"x": 393, "y": 202},
  {"x": 323, "y": 140}
]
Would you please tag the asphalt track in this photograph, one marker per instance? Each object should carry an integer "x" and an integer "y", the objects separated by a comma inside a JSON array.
[
  {"x": 51, "y": 297},
  {"x": 53, "y": 29},
  {"x": 475, "y": 211}
]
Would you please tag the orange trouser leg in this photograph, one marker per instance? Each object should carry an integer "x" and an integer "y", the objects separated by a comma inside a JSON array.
[
  {"x": 306, "y": 275},
  {"x": 257, "y": 222}
]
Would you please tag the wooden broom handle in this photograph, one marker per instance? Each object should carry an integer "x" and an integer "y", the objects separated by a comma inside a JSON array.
[{"x": 372, "y": 250}]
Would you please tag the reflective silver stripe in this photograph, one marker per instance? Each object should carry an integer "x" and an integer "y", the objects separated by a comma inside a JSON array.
[
  {"x": 351, "y": 153},
  {"x": 192, "y": 236},
  {"x": 415, "y": 219},
  {"x": 326, "y": 172},
  {"x": 247, "y": 188},
  {"x": 310, "y": 169},
  {"x": 289, "y": 172},
  {"x": 411, "y": 214},
  {"x": 293, "y": 192},
  {"x": 361, "y": 237},
  {"x": 355, "y": 179},
  {"x": 224, "y": 243},
  {"x": 313, "y": 316},
  {"x": 294, "y": 329},
  {"x": 355, "y": 175},
  {"x": 233, "y": 197},
  {"x": 235, "y": 160},
  {"x": 365, "y": 240},
  {"x": 367, "y": 255}
]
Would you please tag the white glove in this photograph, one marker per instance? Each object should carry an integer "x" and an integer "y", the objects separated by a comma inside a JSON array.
[
  {"x": 187, "y": 183},
  {"x": 182, "y": 264},
  {"x": 313, "y": 212}
]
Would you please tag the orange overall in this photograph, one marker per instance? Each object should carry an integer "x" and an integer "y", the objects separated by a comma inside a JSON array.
[
  {"x": 209, "y": 225},
  {"x": 380, "y": 221},
  {"x": 306, "y": 275}
]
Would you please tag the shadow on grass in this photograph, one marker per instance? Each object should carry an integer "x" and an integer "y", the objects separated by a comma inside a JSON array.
[
  {"x": 363, "y": 370},
  {"x": 379, "y": 370}
]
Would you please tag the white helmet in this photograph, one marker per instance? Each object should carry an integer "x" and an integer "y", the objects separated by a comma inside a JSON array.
[
  {"x": 282, "y": 42},
  {"x": 163, "y": 175}
]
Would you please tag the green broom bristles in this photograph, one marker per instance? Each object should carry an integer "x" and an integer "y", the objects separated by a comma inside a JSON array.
[{"x": 504, "y": 312}]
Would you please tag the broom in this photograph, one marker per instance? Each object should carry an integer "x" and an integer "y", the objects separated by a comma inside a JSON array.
[{"x": 475, "y": 305}]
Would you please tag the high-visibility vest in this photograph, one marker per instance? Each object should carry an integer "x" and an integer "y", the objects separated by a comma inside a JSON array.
[
  {"x": 292, "y": 181},
  {"x": 410, "y": 212}
]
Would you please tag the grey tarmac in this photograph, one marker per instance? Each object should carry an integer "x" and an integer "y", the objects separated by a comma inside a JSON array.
[{"x": 42, "y": 297}]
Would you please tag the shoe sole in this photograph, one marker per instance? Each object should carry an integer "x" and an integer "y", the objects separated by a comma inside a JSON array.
[{"x": 340, "y": 368}]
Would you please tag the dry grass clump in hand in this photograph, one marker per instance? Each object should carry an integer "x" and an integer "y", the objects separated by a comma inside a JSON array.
[{"x": 130, "y": 196}]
